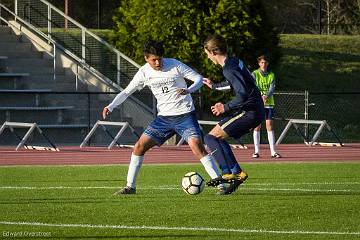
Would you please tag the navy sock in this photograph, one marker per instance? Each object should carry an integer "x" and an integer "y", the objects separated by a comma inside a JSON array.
[
  {"x": 230, "y": 158},
  {"x": 214, "y": 145}
]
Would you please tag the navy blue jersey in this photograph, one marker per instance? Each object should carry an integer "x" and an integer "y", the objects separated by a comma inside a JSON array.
[{"x": 239, "y": 78}]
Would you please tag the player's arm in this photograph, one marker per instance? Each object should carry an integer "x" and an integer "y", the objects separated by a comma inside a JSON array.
[
  {"x": 240, "y": 91},
  {"x": 271, "y": 88},
  {"x": 136, "y": 84},
  {"x": 190, "y": 74},
  {"x": 222, "y": 86}
]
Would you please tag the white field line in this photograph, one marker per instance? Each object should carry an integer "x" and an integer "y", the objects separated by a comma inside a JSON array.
[
  {"x": 174, "y": 188},
  {"x": 200, "y": 229},
  {"x": 306, "y": 183}
]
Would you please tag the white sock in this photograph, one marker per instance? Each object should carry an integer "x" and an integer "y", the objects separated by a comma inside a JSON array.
[
  {"x": 210, "y": 166},
  {"x": 256, "y": 136},
  {"x": 271, "y": 138},
  {"x": 134, "y": 168}
]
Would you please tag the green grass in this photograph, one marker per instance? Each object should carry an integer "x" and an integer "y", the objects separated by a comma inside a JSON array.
[
  {"x": 279, "y": 201},
  {"x": 319, "y": 63}
]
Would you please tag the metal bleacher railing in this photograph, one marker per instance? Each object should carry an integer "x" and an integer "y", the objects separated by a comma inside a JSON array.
[
  {"x": 88, "y": 50},
  {"x": 40, "y": 21}
]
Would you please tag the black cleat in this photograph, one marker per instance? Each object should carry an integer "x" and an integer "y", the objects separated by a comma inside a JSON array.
[
  {"x": 276, "y": 155},
  {"x": 226, "y": 178},
  {"x": 241, "y": 177},
  {"x": 233, "y": 186},
  {"x": 125, "y": 190}
]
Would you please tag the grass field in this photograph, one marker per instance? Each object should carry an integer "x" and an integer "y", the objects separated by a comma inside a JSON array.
[
  {"x": 279, "y": 201},
  {"x": 319, "y": 63}
]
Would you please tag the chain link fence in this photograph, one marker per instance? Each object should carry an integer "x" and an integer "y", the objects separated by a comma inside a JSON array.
[
  {"x": 338, "y": 109},
  {"x": 70, "y": 125}
]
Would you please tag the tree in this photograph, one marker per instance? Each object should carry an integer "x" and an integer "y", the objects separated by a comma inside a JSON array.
[
  {"x": 342, "y": 16},
  {"x": 302, "y": 16},
  {"x": 183, "y": 26}
]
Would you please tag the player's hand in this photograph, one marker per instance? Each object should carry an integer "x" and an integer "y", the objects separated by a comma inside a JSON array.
[
  {"x": 182, "y": 91},
  {"x": 218, "y": 109},
  {"x": 208, "y": 82},
  {"x": 265, "y": 98},
  {"x": 105, "y": 112}
]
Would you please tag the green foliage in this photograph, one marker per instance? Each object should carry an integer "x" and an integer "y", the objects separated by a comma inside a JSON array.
[{"x": 183, "y": 26}]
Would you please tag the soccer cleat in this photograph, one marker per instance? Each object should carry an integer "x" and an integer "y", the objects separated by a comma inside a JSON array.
[
  {"x": 276, "y": 155},
  {"x": 233, "y": 186},
  {"x": 229, "y": 176},
  {"x": 256, "y": 155},
  {"x": 241, "y": 177},
  {"x": 221, "y": 190},
  {"x": 125, "y": 190},
  {"x": 226, "y": 178}
]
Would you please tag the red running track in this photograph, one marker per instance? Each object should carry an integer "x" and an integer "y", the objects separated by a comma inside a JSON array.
[{"x": 172, "y": 154}]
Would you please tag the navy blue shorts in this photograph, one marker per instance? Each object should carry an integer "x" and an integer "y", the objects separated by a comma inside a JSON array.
[
  {"x": 164, "y": 127},
  {"x": 241, "y": 123},
  {"x": 269, "y": 113}
]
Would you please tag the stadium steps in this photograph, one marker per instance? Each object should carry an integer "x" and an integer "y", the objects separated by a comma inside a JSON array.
[
  {"x": 29, "y": 93},
  {"x": 39, "y": 114},
  {"x": 26, "y": 90}
]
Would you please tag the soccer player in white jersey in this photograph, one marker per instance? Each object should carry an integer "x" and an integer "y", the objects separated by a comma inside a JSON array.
[{"x": 176, "y": 113}]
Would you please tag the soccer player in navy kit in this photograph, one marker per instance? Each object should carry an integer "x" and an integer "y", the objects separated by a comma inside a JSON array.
[
  {"x": 240, "y": 115},
  {"x": 176, "y": 112}
]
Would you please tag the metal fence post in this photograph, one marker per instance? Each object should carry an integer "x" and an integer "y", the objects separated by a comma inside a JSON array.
[
  {"x": 83, "y": 53},
  {"x": 306, "y": 114},
  {"x": 49, "y": 22},
  {"x": 89, "y": 114},
  {"x": 54, "y": 63},
  {"x": 118, "y": 68},
  {"x": 16, "y": 9}
]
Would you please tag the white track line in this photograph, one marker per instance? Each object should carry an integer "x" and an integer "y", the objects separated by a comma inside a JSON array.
[
  {"x": 177, "y": 188},
  {"x": 202, "y": 229}
]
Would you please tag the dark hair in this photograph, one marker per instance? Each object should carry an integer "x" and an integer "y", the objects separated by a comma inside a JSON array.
[
  {"x": 152, "y": 47},
  {"x": 216, "y": 44},
  {"x": 263, "y": 57}
]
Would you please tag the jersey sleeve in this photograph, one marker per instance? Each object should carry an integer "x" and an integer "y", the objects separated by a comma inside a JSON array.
[
  {"x": 191, "y": 75},
  {"x": 240, "y": 91},
  {"x": 222, "y": 86},
  {"x": 137, "y": 83}
]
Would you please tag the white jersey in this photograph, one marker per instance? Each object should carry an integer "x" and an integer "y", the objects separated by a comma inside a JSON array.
[{"x": 163, "y": 84}]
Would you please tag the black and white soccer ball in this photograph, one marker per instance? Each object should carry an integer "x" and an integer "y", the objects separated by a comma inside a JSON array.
[{"x": 193, "y": 183}]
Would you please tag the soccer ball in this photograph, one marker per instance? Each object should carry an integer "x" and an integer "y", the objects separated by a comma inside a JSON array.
[{"x": 193, "y": 183}]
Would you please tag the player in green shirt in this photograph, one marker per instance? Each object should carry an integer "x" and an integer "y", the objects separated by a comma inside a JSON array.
[{"x": 265, "y": 80}]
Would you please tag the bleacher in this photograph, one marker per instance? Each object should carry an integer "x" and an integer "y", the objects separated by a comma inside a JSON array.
[{"x": 44, "y": 81}]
